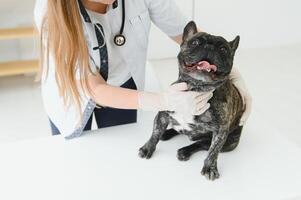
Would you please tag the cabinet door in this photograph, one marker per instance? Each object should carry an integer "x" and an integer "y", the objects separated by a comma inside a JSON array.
[{"x": 160, "y": 45}]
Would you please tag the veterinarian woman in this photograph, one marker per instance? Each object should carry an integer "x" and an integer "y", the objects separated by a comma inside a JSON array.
[{"x": 93, "y": 57}]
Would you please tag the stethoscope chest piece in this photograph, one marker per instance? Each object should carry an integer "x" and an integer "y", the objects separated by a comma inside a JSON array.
[{"x": 119, "y": 40}]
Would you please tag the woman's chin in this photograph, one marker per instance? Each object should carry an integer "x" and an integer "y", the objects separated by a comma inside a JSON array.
[{"x": 109, "y": 2}]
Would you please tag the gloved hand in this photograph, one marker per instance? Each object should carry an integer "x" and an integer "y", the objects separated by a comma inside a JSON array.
[
  {"x": 175, "y": 99},
  {"x": 239, "y": 83}
]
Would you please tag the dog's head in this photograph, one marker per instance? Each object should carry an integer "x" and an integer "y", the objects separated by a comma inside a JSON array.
[{"x": 205, "y": 58}]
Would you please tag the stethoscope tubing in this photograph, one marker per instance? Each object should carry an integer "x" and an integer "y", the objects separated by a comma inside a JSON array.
[
  {"x": 120, "y": 35},
  {"x": 123, "y": 18}
]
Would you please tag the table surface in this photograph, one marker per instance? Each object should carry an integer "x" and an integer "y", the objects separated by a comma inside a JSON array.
[{"x": 105, "y": 165}]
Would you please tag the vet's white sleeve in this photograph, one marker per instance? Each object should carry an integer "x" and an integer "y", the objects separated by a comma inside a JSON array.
[{"x": 167, "y": 16}]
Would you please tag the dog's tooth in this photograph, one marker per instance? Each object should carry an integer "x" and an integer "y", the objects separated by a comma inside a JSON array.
[{"x": 208, "y": 70}]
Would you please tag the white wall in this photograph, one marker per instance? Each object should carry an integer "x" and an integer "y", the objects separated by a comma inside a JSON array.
[
  {"x": 261, "y": 23},
  {"x": 14, "y": 13}
]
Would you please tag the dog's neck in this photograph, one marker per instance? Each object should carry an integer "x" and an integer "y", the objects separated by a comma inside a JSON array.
[{"x": 198, "y": 86}]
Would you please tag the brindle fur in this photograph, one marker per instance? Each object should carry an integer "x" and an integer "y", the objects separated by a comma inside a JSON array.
[{"x": 216, "y": 130}]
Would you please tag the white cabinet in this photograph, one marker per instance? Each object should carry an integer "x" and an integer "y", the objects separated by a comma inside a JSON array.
[{"x": 160, "y": 45}]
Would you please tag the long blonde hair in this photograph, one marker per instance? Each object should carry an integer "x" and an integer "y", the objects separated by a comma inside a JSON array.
[{"x": 62, "y": 31}]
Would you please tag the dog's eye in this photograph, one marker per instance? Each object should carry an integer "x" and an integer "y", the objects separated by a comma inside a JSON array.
[
  {"x": 195, "y": 43},
  {"x": 224, "y": 50}
]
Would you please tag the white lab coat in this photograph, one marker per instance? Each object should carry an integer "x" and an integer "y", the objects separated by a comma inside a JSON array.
[{"x": 139, "y": 15}]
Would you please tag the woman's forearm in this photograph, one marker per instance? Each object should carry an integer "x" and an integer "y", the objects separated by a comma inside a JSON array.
[
  {"x": 111, "y": 96},
  {"x": 122, "y": 98},
  {"x": 176, "y": 98},
  {"x": 115, "y": 97}
]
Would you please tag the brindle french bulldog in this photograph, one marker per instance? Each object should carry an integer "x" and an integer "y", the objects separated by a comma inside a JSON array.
[{"x": 205, "y": 62}]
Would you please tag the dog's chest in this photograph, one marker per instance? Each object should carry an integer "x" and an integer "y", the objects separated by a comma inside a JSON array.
[
  {"x": 190, "y": 123},
  {"x": 181, "y": 122}
]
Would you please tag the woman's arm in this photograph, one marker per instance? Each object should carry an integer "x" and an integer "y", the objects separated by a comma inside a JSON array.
[
  {"x": 111, "y": 96},
  {"x": 178, "y": 39},
  {"x": 176, "y": 98},
  {"x": 239, "y": 83}
]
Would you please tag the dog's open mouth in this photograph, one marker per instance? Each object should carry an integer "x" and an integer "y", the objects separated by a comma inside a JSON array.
[{"x": 202, "y": 65}]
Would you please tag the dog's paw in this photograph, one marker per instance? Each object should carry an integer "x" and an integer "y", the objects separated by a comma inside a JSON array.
[
  {"x": 183, "y": 155},
  {"x": 146, "y": 152},
  {"x": 210, "y": 172}
]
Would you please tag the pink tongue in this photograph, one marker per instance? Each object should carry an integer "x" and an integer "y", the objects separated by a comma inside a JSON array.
[{"x": 204, "y": 65}]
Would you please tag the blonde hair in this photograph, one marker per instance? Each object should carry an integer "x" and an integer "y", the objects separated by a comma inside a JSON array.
[{"x": 62, "y": 35}]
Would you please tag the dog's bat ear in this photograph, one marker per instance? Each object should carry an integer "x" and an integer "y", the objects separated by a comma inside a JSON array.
[
  {"x": 234, "y": 43},
  {"x": 190, "y": 30}
]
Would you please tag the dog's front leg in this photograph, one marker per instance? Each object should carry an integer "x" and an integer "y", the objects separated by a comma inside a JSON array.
[
  {"x": 161, "y": 122},
  {"x": 210, "y": 164}
]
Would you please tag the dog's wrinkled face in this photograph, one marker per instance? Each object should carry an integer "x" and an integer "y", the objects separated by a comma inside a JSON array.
[{"x": 204, "y": 57}]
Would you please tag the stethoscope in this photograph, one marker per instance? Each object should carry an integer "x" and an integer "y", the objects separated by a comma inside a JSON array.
[{"x": 120, "y": 39}]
